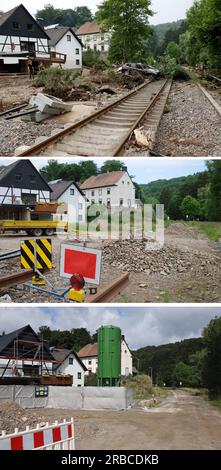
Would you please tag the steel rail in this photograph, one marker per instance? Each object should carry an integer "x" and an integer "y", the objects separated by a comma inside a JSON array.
[
  {"x": 12, "y": 280},
  {"x": 10, "y": 255},
  {"x": 119, "y": 149},
  {"x": 109, "y": 292}
]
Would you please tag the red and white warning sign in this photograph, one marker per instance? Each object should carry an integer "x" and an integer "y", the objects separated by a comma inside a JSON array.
[{"x": 77, "y": 259}]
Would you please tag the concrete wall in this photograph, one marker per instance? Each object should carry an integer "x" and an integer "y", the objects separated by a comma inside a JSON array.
[{"x": 70, "y": 398}]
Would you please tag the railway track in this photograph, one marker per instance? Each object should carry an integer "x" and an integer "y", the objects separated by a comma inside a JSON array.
[
  {"x": 10, "y": 255},
  {"x": 107, "y": 131},
  {"x": 104, "y": 294}
]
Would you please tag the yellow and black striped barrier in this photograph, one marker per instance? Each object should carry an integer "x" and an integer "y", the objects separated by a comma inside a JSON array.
[{"x": 36, "y": 254}]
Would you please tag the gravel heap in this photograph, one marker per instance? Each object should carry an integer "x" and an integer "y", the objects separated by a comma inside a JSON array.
[
  {"x": 132, "y": 256},
  {"x": 13, "y": 416},
  {"x": 15, "y": 133}
]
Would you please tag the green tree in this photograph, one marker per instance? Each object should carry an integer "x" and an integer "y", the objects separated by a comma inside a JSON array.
[
  {"x": 204, "y": 26},
  {"x": 112, "y": 165},
  {"x": 87, "y": 168},
  {"x": 212, "y": 362},
  {"x": 214, "y": 196},
  {"x": 173, "y": 50},
  {"x": 83, "y": 14},
  {"x": 64, "y": 17},
  {"x": 129, "y": 22},
  {"x": 190, "y": 208},
  {"x": 188, "y": 375}
]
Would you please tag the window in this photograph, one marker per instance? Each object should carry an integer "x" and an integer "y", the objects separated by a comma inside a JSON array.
[
  {"x": 68, "y": 37},
  {"x": 90, "y": 371},
  {"x": 92, "y": 193},
  {"x": 72, "y": 191},
  {"x": 129, "y": 202},
  {"x": 80, "y": 206},
  {"x": 95, "y": 47},
  {"x": 77, "y": 51},
  {"x": 102, "y": 47},
  {"x": 89, "y": 362},
  {"x": 108, "y": 202},
  {"x": 125, "y": 351},
  {"x": 100, "y": 201},
  {"x": 108, "y": 190},
  {"x": 79, "y": 375},
  {"x": 102, "y": 38},
  {"x": 100, "y": 192},
  {"x": 92, "y": 201},
  {"x": 18, "y": 177},
  {"x": 121, "y": 202},
  {"x": 71, "y": 361},
  {"x": 77, "y": 62},
  {"x": 122, "y": 182},
  {"x": 15, "y": 25},
  {"x": 80, "y": 218},
  {"x": 30, "y": 27}
]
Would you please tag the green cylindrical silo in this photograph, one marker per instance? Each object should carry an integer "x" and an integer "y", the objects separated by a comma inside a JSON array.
[{"x": 109, "y": 356}]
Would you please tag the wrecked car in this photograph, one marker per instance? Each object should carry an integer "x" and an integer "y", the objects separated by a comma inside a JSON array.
[{"x": 139, "y": 67}]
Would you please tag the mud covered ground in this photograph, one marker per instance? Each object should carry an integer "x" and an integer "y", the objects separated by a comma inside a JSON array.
[{"x": 179, "y": 422}]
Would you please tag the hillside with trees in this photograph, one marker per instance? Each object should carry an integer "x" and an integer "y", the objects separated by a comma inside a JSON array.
[{"x": 195, "y": 196}]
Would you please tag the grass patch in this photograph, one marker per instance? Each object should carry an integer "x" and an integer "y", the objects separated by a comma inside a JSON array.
[
  {"x": 211, "y": 229},
  {"x": 216, "y": 402},
  {"x": 196, "y": 392},
  {"x": 141, "y": 385}
]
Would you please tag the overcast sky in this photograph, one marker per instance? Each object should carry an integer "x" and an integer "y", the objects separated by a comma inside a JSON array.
[
  {"x": 144, "y": 170},
  {"x": 165, "y": 10},
  {"x": 142, "y": 326}
]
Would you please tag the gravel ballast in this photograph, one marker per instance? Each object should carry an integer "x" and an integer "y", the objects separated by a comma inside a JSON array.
[
  {"x": 15, "y": 133},
  {"x": 190, "y": 125}
]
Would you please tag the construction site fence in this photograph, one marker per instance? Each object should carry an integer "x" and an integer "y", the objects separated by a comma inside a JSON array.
[{"x": 57, "y": 436}]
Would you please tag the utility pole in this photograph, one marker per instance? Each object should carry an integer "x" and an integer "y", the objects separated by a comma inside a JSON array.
[{"x": 151, "y": 374}]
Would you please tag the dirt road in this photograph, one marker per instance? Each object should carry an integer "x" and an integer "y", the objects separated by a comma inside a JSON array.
[
  {"x": 196, "y": 276},
  {"x": 181, "y": 422}
]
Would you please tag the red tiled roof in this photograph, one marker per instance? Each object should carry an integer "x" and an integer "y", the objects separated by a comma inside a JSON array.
[
  {"x": 89, "y": 28},
  {"x": 104, "y": 179},
  {"x": 89, "y": 350}
]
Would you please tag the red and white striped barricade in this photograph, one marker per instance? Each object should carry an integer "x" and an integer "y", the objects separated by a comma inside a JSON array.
[{"x": 57, "y": 436}]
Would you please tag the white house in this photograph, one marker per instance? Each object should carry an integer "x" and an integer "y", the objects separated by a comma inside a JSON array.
[
  {"x": 114, "y": 189},
  {"x": 69, "y": 193},
  {"x": 93, "y": 38},
  {"x": 64, "y": 40},
  {"x": 89, "y": 356},
  {"x": 70, "y": 364}
]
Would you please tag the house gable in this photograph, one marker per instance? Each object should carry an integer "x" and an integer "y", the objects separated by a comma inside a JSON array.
[
  {"x": 29, "y": 337},
  {"x": 28, "y": 26},
  {"x": 23, "y": 175},
  {"x": 57, "y": 33}
]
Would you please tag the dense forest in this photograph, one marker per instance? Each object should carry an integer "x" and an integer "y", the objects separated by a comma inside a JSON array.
[{"x": 192, "y": 362}]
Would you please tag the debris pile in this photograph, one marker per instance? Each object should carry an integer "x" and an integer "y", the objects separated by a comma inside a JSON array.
[
  {"x": 46, "y": 106},
  {"x": 14, "y": 416},
  {"x": 132, "y": 256}
]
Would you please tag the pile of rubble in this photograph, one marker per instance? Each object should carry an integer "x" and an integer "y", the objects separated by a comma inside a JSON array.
[
  {"x": 13, "y": 416},
  {"x": 132, "y": 256}
]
